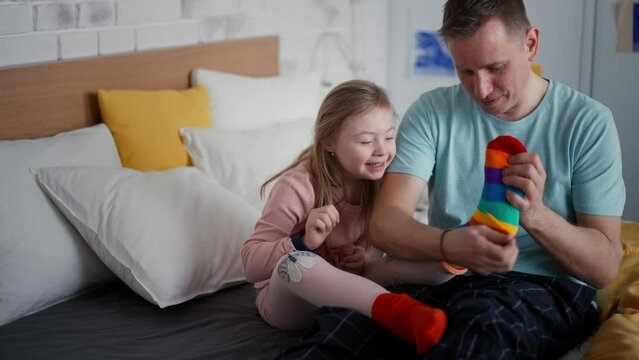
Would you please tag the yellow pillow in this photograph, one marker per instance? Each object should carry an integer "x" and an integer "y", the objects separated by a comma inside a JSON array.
[
  {"x": 145, "y": 124},
  {"x": 608, "y": 297},
  {"x": 618, "y": 335}
]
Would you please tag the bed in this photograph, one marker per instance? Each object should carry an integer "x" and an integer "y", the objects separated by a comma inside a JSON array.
[
  {"x": 74, "y": 191},
  {"x": 94, "y": 314}
]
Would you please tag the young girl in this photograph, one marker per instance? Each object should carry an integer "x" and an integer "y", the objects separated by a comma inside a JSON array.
[{"x": 309, "y": 248}]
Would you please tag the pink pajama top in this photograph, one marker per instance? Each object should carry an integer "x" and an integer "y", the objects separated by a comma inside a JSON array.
[{"x": 289, "y": 204}]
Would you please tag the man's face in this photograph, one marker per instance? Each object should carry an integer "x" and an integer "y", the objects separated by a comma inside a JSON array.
[{"x": 494, "y": 68}]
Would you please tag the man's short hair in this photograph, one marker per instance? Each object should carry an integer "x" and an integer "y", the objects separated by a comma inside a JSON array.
[{"x": 463, "y": 18}]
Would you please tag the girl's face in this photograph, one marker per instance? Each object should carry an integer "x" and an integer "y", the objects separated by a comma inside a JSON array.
[{"x": 365, "y": 144}]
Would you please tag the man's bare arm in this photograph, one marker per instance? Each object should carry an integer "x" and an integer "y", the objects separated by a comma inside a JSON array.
[
  {"x": 394, "y": 230},
  {"x": 590, "y": 250}
]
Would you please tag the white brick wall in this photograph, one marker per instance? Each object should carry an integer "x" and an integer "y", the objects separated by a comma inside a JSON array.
[
  {"x": 15, "y": 18},
  {"x": 240, "y": 27},
  {"x": 54, "y": 16},
  {"x": 78, "y": 44},
  {"x": 204, "y": 8},
  {"x": 25, "y": 49},
  {"x": 213, "y": 29},
  {"x": 116, "y": 40},
  {"x": 168, "y": 35},
  {"x": 34, "y": 31},
  {"x": 96, "y": 13},
  {"x": 132, "y": 12}
]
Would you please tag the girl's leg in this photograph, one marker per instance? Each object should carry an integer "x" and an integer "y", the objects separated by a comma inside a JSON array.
[
  {"x": 282, "y": 308},
  {"x": 318, "y": 283},
  {"x": 321, "y": 284}
]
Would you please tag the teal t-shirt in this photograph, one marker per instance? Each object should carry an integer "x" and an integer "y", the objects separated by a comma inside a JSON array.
[{"x": 443, "y": 137}]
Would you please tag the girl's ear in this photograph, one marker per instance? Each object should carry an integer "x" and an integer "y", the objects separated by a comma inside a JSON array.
[{"x": 328, "y": 146}]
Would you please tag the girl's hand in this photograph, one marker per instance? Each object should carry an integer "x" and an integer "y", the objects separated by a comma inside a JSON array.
[
  {"x": 352, "y": 258},
  {"x": 321, "y": 221}
]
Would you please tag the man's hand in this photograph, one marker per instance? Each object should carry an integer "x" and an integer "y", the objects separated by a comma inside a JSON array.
[
  {"x": 526, "y": 173},
  {"x": 352, "y": 258},
  {"x": 321, "y": 221},
  {"x": 481, "y": 249}
]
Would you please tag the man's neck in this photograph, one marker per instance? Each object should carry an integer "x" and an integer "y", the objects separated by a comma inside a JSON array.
[{"x": 536, "y": 90}]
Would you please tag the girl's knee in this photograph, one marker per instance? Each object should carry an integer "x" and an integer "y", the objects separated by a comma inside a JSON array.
[{"x": 293, "y": 265}]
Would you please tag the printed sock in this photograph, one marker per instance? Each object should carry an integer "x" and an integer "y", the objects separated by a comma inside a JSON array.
[
  {"x": 494, "y": 210},
  {"x": 409, "y": 319}
]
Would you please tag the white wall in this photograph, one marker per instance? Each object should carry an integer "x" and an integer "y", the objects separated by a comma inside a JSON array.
[
  {"x": 407, "y": 16},
  {"x": 615, "y": 82}
]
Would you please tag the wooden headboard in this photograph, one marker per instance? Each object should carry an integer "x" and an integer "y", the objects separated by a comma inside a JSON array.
[{"x": 43, "y": 100}]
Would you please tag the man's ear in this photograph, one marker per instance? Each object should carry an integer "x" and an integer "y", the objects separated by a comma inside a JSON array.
[{"x": 532, "y": 43}]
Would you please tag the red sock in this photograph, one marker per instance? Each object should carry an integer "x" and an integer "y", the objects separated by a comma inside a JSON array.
[{"x": 409, "y": 319}]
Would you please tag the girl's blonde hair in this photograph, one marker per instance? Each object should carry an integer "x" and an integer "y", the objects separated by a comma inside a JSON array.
[{"x": 354, "y": 97}]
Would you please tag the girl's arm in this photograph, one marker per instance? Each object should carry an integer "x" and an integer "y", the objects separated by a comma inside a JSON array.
[{"x": 289, "y": 203}]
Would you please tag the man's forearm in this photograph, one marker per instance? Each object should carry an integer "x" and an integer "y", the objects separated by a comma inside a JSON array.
[
  {"x": 584, "y": 251},
  {"x": 403, "y": 237}
]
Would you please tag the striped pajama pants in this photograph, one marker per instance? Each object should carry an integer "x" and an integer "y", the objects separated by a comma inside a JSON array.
[{"x": 500, "y": 316}]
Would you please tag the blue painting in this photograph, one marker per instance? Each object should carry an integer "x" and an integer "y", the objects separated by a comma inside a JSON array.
[{"x": 431, "y": 56}]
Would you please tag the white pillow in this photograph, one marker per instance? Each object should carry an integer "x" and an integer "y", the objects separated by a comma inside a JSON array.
[
  {"x": 169, "y": 235},
  {"x": 242, "y": 102},
  {"x": 43, "y": 260},
  {"x": 242, "y": 160}
]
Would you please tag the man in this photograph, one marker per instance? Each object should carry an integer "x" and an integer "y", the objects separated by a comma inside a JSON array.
[{"x": 528, "y": 296}]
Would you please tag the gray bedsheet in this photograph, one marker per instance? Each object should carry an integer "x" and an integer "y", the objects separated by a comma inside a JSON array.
[{"x": 115, "y": 323}]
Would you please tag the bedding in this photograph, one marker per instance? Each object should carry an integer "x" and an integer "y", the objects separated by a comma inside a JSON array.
[
  {"x": 243, "y": 102},
  {"x": 43, "y": 260},
  {"x": 242, "y": 160},
  {"x": 170, "y": 235},
  {"x": 113, "y": 322},
  {"x": 618, "y": 335},
  {"x": 176, "y": 223},
  {"x": 145, "y": 124}
]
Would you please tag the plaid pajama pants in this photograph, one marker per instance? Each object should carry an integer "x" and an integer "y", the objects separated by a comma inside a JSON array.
[{"x": 500, "y": 316}]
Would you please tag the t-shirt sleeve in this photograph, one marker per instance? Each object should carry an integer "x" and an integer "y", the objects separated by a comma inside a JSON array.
[
  {"x": 598, "y": 187},
  {"x": 415, "y": 142}
]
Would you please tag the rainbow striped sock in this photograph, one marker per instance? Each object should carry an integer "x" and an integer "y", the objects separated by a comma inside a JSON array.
[{"x": 494, "y": 210}]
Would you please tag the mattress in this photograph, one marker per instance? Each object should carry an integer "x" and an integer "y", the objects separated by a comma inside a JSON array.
[{"x": 115, "y": 323}]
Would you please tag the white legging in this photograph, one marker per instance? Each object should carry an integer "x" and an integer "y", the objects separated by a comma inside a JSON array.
[{"x": 287, "y": 304}]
